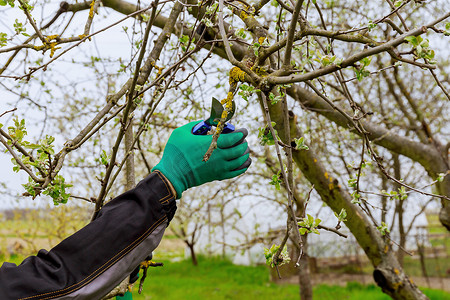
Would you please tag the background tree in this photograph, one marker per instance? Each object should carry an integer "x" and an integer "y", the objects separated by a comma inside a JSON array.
[{"x": 333, "y": 81}]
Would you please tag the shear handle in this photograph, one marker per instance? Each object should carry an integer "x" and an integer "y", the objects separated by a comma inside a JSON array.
[{"x": 202, "y": 128}]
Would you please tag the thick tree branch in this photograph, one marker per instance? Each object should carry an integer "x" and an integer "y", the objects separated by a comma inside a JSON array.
[
  {"x": 224, "y": 35},
  {"x": 291, "y": 34}
]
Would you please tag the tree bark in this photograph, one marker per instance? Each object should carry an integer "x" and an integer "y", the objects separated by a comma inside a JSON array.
[
  {"x": 304, "y": 274},
  {"x": 400, "y": 211},
  {"x": 193, "y": 255},
  {"x": 383, "y": 198},
  {"x": 443, "y": 188},
  {"x": 129, "y": 170},
  {"x": 421, "y": 251}
]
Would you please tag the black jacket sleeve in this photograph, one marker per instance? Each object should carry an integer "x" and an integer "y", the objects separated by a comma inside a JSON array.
[{"x": 92, "y": 261}]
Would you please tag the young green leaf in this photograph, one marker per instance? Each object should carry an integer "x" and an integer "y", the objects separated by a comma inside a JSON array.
[
  {"x": 283, "y": 258},
  {"x": 342, "y": 216},
  {"x": 3, "y": 39},
  {"x": 265, "y": 135},
  {"x": 300, "y": 144},
  {"x": 383, "y": 228},
  {"x": 276, "y": 180},
  {"x": 309, "y": 225}
]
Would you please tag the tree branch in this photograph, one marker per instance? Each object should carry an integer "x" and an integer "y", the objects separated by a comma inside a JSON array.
[{"x": 291, "y": 34}]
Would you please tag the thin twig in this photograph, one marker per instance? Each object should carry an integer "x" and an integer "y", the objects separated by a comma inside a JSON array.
[
  {"x": 22, "y": 150},
  {"x": 8, "y": 111},
  {"x": 19, "y": 161},
  {"x": 372, "y": 73},
  {"x": 410, "y": 61},
  {"x": 332, "y": 230},
  {"x": 291, "y": 212},
  {"x": 24, "y": 7},
  {"x": 283, "y": 5},
  {"x": 439, "y": 83},
  {"x": 61, "y": 10},
  {"x": 83, "y": 198},
  {"x": 394, "y": 11}
]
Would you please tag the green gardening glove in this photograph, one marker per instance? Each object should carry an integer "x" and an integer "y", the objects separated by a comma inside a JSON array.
[{"x": 182, "y": 162}]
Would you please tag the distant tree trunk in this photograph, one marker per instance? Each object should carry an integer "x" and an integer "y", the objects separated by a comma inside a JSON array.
[
  {"x": 402, "y": 242},
  {"x": 304, "y": 275},
  {"x": 304, "y": 272},
  {"x": 400, "y": 211},
  {"x": 189, "y": 238},
  {"x": 222, "y": 220},
  {"x": 421, "y": 251},
  {"x": 383, "y": 198},
  {"x": 193, "y": 256},
  {"x": 209, "y": 230}
]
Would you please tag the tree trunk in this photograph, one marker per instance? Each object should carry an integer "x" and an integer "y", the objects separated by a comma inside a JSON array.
[
  {"x": 304, "y": 274},
  {"x": 383, "y": 198},
  {"x": 444, "y": 189},
  {"x": 401, "y": 228},
  {"x": 400, "y": 211},
  {"x": 388, "y": 273},
  {"x": 193, "y": 256},
  {"x": 421, "y": 251}
]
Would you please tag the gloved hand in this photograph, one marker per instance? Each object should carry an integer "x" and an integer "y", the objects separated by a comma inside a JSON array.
[{"x": 182, "y": 162}]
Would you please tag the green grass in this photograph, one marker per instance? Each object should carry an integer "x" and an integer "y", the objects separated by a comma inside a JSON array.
[
  {"x": 212, "y": 279},
  {"x": 356, "y": 291},
  {"x": 218, "y": 279}
]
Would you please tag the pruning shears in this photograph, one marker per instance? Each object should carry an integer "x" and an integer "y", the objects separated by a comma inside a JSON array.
[{"x": 203, "y": 127}]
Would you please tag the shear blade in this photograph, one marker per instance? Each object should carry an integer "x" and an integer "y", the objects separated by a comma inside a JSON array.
[{"x": 216, "y": 112}]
